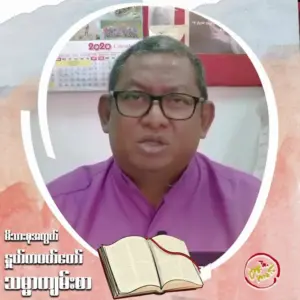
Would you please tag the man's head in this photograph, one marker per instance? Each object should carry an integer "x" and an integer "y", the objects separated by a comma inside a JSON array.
[{"x": 157, "y": 109}]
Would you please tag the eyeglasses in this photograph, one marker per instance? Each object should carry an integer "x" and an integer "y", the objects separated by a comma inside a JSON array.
[{"x": 175, "y": 106}]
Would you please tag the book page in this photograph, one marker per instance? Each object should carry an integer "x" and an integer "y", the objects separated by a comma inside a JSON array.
[
  {"x": 174, "y": 267},
  {"x": 132, "y": 264}
]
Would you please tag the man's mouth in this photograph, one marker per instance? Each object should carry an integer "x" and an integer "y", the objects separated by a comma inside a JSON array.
[{"x": 152, "y": 145}]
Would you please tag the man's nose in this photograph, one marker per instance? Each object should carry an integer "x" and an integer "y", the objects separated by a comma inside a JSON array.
[{"x": 155, "y": 117}]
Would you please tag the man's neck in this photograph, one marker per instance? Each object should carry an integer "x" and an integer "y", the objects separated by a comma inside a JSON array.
[
  {"x": 154, "y": 185},
  {"x": 153, "y": 190}
]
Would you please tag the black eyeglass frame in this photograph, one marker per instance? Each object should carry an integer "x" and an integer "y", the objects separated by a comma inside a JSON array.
[{"x": 158, "y": 98}]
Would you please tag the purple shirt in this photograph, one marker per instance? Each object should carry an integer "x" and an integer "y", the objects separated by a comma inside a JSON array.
[{"x": 207, "y": 208}]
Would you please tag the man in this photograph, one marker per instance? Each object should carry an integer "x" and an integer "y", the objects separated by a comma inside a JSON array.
[{"x": 155, "y": 114}]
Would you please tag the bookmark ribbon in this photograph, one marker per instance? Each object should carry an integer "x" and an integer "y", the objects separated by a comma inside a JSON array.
[{"x": 174, "y": 253}]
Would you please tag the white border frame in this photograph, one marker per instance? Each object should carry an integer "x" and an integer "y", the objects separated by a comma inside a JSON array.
[{"x": 43, "y": 121}]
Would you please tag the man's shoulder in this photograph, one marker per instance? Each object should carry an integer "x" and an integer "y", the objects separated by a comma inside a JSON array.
[
  {"x": 79, "y": 179},
  {"x": 233, "y": 194},
  {"x": 227, "y": 176}
]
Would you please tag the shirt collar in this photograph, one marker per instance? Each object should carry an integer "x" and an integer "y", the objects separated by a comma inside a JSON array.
[{"x": 183, "y": 188}]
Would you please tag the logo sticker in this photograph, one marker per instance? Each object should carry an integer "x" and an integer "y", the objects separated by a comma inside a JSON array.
[{"x": 262, "y": 271}]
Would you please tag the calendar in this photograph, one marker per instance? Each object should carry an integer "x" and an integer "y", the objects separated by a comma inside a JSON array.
[{"x": 85, "y": 65}]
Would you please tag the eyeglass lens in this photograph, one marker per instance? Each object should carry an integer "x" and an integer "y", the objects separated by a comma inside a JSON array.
[{"x": 174, "y": 106}]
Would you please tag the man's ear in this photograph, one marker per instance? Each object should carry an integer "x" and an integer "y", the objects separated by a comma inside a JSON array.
[
  {"x": 104, "y": 110},
  {"x": 207, "y": 117}
]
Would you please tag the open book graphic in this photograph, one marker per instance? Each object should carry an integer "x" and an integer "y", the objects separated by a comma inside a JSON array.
[{"x": 136, "y": 266}]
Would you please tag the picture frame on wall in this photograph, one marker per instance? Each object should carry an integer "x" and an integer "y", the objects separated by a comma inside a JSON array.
[
  {"x": 225, "y": 61},
  {"x": 207, "y": 37},
  {"x": 166, "y": 21},
  {"x": 90, "y": 32},
  {"x": 127, "y": 29},
  {"x": 161, "y": 16},
  {"x": 125, "y": 23}
]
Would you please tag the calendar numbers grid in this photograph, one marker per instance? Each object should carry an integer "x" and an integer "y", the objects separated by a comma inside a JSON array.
[{"x": 84, "y": 70}]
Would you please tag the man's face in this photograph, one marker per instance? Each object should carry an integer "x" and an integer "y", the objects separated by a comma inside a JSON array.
[{"x": 153, "y": 142}]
